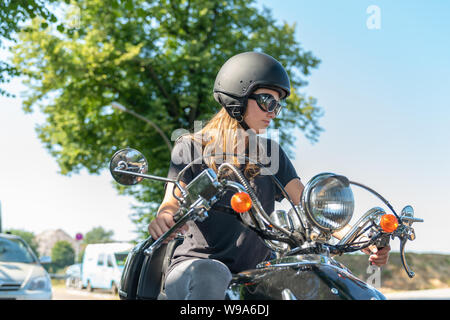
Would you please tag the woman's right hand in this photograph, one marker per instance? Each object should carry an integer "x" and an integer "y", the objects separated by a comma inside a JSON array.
[
  {"x": 164, "y": 218},
  {"x": 161, "y": 224}
]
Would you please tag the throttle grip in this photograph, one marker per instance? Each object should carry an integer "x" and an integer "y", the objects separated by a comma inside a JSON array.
[
  {"x": 177, "y": 216},
  {"x": 383, "y": 241}
]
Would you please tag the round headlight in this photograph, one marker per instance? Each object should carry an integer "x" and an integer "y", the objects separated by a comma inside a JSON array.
[{"x": 328, "y": 201}]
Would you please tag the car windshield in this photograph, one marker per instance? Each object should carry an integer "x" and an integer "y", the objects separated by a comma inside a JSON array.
[
  {"x": 121, "y": 257},
  {"x": 15, "y": 250}
]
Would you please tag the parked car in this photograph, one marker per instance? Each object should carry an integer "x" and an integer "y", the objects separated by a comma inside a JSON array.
[
  {"x": 103, "y": 264},
  {"x": 21, "y": 273},
  {"x": 73, "y": 276}
]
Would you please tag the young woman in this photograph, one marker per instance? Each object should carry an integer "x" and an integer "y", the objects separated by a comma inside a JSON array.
[{"x": 250, "y": 87}]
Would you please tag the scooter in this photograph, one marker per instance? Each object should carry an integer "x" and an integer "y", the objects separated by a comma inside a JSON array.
[{"x": 302, "y": 267}]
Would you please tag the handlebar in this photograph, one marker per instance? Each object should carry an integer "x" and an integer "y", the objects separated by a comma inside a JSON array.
[
  {"x": 404, "y": 232},
  {"x": 206, "y": 189},
  {"x": 198, "y": 211}
]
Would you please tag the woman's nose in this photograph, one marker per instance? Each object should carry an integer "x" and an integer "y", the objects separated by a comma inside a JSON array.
[{"x": 271, "y": 114}]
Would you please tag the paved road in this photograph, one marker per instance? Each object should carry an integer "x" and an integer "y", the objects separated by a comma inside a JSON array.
[
  {"x": 435, "y": 294},
  {"x": 62, "y": 293}
]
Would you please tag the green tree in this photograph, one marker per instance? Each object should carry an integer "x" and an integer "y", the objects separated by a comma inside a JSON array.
[
  {"x": 159, "y": 59},
  {"x": 62, "y": 254},
  {"x": 13, "y": 13},
  {"x": 95, "y": 235},
  {"x": 98, "y": 235},
  {"x": 28, "y": 237}
]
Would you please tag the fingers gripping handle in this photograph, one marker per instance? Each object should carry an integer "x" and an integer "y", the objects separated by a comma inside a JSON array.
[
  {"x": 180, "y": 219},
  {"x": 198, "y": 211},
  {"x": 177, "y": 216},
  {"x": 383, "y": 241}
]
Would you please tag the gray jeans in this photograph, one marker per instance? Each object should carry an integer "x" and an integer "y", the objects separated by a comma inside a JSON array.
[{"x": 198, "y": 279}]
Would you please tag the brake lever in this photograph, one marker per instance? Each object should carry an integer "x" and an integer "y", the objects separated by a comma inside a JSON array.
[
  {"x": 407, "y": 233},
  {"x": 408, "y": 270}
]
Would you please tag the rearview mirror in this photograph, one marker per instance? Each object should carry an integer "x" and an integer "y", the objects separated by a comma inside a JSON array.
[{"x": 128, "y": 160}]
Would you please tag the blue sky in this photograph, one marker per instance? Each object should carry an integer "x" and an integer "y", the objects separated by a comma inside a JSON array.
[
  {"x": 385, "y": 95},
  {"x": 386, "y": 98}
]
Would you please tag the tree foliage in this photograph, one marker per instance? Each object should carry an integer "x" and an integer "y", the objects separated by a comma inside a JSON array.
[
  {"x": 12, "y": 14},
  {"x": 157, "y": 58},
  {"x": 98, "y": 235},
  {"x": 62, "y": 254},
  {"x": 28, "y": 237}
]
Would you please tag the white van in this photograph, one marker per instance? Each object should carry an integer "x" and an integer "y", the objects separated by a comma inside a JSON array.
[{"x": 103, "y": 264}]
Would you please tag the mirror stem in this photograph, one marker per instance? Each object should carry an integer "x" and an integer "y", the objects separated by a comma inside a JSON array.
[{"x": 147, "y": 176}]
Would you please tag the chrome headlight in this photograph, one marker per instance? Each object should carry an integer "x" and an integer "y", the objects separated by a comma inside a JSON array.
[{"x": 328, "y": 201}]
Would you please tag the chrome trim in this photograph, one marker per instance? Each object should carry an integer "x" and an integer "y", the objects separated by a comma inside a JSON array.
[
  {"x": 287, "y": 294},
  {"x": 305, "y": 197},
  {"x": 299, "y": 260},
  {"x": 256, "y": 205},
  {"x": 369, "y": 216}
]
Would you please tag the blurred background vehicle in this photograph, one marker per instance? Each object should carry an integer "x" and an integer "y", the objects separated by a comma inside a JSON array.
[
  {"x": 73, "y": 276},
  {"x": 22, "y": 275},
  {"x": 103, "y": 264}
]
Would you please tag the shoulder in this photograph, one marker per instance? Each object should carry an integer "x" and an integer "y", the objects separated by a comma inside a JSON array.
[{"x": 186, "y": 144}]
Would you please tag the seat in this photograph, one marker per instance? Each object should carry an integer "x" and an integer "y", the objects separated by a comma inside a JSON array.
[{"x": 153, "y": 271}]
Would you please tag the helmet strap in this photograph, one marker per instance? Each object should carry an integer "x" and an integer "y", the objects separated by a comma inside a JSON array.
[
  {"x": 237, "y": 111},
  {"x": 243, "y": 124}
]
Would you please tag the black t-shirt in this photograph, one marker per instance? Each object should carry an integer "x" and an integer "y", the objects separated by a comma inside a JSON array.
[{"x": 223, "y": 236}]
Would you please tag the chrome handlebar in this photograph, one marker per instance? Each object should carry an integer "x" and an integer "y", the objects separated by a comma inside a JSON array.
[
  {"x": 131, "y": 163},
  {"x": 368, "y": 217},
  {"x": 198, "y": 210},
  {"x": 404, "y": 231}
]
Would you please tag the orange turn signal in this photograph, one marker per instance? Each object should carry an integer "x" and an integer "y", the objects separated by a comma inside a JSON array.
[
  {"x": 388, "y": 223},
  {"x": 241, "y": 202}
]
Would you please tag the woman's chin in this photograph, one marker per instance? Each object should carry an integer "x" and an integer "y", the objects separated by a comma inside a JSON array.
[{"x": 261, "y": 130}]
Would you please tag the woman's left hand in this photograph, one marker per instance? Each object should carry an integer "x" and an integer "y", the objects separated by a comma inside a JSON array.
[{"x": 378, "y": 257}]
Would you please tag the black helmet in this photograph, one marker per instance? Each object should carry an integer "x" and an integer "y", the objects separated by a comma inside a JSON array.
[{"x": 244, "y": 73}]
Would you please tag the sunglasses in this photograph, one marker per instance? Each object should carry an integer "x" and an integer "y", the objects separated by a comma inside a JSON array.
[{"x": 266, "y": 102}]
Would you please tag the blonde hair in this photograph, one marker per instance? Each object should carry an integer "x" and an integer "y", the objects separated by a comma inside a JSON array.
[{"x": 223, "y": 136}]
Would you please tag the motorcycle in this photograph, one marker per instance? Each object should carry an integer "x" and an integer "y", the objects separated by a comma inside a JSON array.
[{"x": 302, "y": 266}]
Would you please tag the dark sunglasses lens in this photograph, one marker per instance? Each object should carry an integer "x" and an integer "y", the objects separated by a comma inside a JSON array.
[
  {"x": 268, "y": 103},
  {"x": 272, "y": 105}
]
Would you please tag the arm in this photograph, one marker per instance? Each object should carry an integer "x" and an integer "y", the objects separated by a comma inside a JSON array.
[
  {"x": 294, "y": 189},
  {"x": 164, "y": 218},
  {"x": 341, "y": 233}
]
